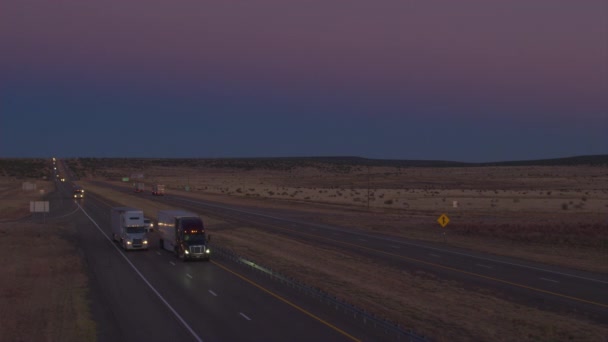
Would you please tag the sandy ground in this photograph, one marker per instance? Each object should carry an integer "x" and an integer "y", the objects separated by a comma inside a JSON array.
[
  {"x": 43, "y": 290},
  {"x": 554, "y": 215},
  {"x": 447, "y": 311}
]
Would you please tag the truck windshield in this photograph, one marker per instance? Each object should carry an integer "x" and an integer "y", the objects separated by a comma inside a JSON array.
[
  {"x": 195, "y": 238},
  {"x": 136, "y": 230}
]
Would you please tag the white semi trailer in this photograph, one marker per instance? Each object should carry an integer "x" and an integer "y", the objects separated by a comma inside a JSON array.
[{"x": 128, "y": 228}]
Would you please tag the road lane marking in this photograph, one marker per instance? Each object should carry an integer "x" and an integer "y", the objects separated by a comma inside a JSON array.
[
  {"x": 189, "y": 276},
  {"x": 213, "y": 293},
  {"x": 486, "y": 266},
  {"x": 175, "y": 313},
  {"x": 244, "y": 316},
  {"x": 172, "y": 263},
  {"x": 66, "y": 215},
  {"x": 420, "y": 261},
  {"x": 551, "y": 280},
  {"x": 393, "y": 240},
  {"x": 286, "y": 301}
]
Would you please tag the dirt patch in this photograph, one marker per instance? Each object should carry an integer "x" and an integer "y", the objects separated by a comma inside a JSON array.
[
  {"x": 15, "y": 201},
  {"x": 43, "y": 287},
  {"x": 43, "y": 290}
]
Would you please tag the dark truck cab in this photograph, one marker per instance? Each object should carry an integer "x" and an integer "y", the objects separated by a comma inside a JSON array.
[
  {"x": 183, "y": 233},
  {"x": 191, "y": 238}
]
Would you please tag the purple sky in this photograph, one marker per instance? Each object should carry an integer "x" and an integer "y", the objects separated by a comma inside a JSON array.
[{"x": 468, "y": 80}]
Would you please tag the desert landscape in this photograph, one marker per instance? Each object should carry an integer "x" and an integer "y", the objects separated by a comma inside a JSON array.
[
  {"x": 552, "y": 214},
  {"x": 548, "y": 214}
]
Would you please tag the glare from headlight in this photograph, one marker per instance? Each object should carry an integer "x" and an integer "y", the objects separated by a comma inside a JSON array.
[
  {"x": 128, "y": 242},
  {"x": 145, "y": 242},
  {"x": 207, "y": 251},
  {"x": 186, "y": 251}
]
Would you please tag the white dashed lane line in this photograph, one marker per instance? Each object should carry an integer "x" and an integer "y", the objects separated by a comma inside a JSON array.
[
  {"x": 158, "y": 253},
  {"x": 244, "y": 316},
  {"x": 172, "y": 263},
  {"x": 551, "y": 280},
  {"x": 213, "y": 293},
  {"x": 189, "y": 276}
]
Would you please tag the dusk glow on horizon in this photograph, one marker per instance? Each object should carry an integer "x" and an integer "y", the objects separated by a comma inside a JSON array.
[{"x": 468, "y": 80}]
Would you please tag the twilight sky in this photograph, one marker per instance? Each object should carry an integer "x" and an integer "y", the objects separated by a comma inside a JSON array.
[{"x": 466, "y": 80}]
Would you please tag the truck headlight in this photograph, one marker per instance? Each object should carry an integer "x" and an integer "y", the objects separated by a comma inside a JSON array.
[
  {"x": 186, "y": 251},
  {"x": 145, "y": 242},
  {"x": 128, "y": 242},
  {"x": 207, "y": 251}
]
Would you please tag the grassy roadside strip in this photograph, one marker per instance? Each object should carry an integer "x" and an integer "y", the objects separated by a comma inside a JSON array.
[{"x": 433, "y": 307}]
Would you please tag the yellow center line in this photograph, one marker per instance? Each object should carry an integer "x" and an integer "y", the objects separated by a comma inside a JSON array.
[
  {"x": 444, "y": 267},
  {"x": 287, "y": 302}
]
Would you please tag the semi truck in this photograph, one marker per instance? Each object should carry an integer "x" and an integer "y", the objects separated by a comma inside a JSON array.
[
  {"x": 158, "y": 190},
  {"x": 140, "y": 187},
  {"x": 128, "y": 228},
  {"x": 183, "y": 233}
]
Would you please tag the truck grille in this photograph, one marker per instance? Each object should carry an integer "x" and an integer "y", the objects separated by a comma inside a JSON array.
[
  {"x": 136, "y": 242},
  {"x": 196, "y": 249}
]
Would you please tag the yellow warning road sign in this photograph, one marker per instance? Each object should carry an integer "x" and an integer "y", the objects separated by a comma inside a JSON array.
[{"x": 443, "y": 220}]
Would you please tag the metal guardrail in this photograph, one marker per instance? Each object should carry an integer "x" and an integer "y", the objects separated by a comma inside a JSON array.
[{"x": 390, "y": 328}]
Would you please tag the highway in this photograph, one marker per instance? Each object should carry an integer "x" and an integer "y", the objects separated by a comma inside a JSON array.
[
  {"x": 529, "y": 283},
  {"x": 152, "y": 296}
]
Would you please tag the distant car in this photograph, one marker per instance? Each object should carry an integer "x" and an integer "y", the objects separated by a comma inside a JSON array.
[
  {"x": 79, "y": 193},
  {"x": 149, "y": 225},
  {"x": 63, "y": 179}
]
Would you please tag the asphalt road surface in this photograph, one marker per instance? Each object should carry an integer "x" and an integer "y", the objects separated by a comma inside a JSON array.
[
  {"x": 538, "y": 285},
  {"x": 152, "y": 296}
]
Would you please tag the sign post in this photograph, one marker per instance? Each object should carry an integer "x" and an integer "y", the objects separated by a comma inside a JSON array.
[
  {"x": 39, "y": 207},
  {"x": 443, "y": 221}
]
